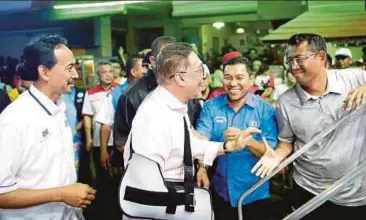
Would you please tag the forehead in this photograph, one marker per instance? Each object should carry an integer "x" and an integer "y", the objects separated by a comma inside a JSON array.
[
  {"x": 105, "y": 67},
  {"x": 194, "y": 60},
  {"x": 64, "y": 55},
  {"x": 237, "y": 69},
  {"x": 300, "y": 49},
  {"x": 116, "y": 64}
]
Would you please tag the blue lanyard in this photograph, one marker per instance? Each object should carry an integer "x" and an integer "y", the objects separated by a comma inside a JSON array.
[{"x": 48, "y": 112}]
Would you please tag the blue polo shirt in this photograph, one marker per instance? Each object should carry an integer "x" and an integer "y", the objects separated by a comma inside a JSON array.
[
  {"x": 71, "y": 113},
  {"x": 117, "y": 92},
  {"x": 232, "y": 176}
]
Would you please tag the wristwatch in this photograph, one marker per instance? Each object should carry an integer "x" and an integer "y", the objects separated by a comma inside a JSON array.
[{"x": 225, "y": 149}]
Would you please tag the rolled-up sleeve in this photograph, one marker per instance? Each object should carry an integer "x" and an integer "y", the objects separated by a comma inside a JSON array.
[{"x": 10, "y": 142}]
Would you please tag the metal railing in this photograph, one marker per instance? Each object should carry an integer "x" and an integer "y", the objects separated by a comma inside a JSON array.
[{"x": 294, "y": 156}]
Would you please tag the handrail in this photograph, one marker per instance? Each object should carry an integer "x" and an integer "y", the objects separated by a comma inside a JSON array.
[
  {"x": 294, "y": 156},
  {"x": 328, "y": 193}
]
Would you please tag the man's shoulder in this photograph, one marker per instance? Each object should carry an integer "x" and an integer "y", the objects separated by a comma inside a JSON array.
[
  {"x": 19, "y": 111},
  {"x": 289, "y": 95},
  {"x": 142, "y": 84}
]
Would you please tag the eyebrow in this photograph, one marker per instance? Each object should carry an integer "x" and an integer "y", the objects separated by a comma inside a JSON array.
[{"x": 70, "y": 65}]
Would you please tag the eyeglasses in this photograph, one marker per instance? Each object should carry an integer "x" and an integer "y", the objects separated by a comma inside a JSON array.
[
  {"x": 298, "y": 60},
  {"x": 201, "y": 71}
]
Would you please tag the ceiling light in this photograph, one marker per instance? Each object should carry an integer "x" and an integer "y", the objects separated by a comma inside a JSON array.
[
  {"x": 95, "y": 4},
  {"x": 218, "y": 25},
  {"x": 240, "y": 31}
]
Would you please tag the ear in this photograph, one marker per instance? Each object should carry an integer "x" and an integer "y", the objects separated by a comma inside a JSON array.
[
  {"x": 43, "y": 73},
  {"x": 152, "y": 60},
  {"x": 133, "y": 72},
  {"x": 179, "y": 79},
  {"x": 323, "y": 56}
]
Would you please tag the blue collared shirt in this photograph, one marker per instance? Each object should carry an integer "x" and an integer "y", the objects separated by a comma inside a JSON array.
[
  {"x": 117, "y": 92},
  {"x": 232, "y": 176},
  {"x": 71, "y": 113}
]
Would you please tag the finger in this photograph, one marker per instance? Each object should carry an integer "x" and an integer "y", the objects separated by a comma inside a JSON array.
[
  {"x": 260, "y": 170},
  {"x": 90, "y": 197},
  {"x": 250, "y": 131},
  {"x": 256, "y": 166},
  {"x": 358, "y": 100},
  {"x": 206, "y": 184},
  {"x": 350, "y": 100},
  {"x": 83, "y": 206},
  {"x": 264, "y": 172},
  {"x": 198, "y": 182},
  {"x": 86, "y": 202},
  {"x": 91, "y": 191}
]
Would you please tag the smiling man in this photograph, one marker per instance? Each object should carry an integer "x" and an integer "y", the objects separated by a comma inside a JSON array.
[
  {"x": 237, "y": 110},
  {"x": 37, "y": 173}
]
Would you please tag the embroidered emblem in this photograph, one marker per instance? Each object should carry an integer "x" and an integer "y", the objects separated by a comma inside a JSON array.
[
  {"x": 45, "y": 132},
  {"x": 253, "y": 124},
  {"x": 220, "y": 119},
  {"x": 80, "y": 95},
  {"x": 79, "y": 100}
]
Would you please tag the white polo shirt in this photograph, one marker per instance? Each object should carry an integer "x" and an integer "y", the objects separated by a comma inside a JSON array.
[
  {"x": 94, "y": 100},
  {"x": 106, "y": 113},
  {"x": 36, "y": 152}
]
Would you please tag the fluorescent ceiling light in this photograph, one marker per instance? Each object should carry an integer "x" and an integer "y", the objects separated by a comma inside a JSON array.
[
  {"x": 96, "y": 4},
  {"x": 240, "y": 31},
  {"x": 218, "y": 25}
]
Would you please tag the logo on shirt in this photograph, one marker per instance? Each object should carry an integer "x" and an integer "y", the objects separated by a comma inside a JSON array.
[
  {"x": 253, "y": 124},
  {"x": 220, "y": 119},
  {"x": 80, "y": 95},
  {"x": 45, "y": 133}
]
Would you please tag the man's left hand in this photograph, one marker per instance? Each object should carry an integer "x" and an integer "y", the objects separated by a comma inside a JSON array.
[
  {"x": 355, "y": 98},
  {"x": 202, "y": 178},
  {"x": 268, "y": 162}
]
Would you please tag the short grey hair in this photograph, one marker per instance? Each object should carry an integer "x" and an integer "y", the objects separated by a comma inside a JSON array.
[
  {"x": 101, "y": 63},
  {"x": 172, "y": 58}
]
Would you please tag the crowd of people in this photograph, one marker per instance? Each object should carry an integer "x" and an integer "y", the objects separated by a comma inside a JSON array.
[{"x": 241, "y": 122}]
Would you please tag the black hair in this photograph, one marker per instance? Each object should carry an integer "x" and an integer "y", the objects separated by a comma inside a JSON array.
[
  {"x": 40, "y": 51},
  {"x": 240, "y": 60},
  {"x": 315, "y": 42},
  {"x": 131, "y": 63}
]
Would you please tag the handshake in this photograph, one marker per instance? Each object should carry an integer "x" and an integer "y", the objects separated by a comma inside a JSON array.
[{"x": 236, "y": 139}]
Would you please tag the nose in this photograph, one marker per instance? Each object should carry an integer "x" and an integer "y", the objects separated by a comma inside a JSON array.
[
  {"x": 233, "y": 82},
  {"x": 74, "y": 73}
]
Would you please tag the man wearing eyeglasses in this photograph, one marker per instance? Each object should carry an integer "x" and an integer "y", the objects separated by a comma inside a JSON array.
[{"x": 320, "y": 98}]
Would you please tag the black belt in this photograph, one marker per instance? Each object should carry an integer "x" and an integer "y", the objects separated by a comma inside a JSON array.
[{"x": 170, "y": 199}]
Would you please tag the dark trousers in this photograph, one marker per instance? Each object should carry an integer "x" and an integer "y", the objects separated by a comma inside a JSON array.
[
  {"x": 327, "y": 210},
  {"x": 223, "y": 210},
  {"x": 107, "y": 196}
]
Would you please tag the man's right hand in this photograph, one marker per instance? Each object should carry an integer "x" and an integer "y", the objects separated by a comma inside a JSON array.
[
  {"x": 241, "y": 140},
  {"x": 89, "y": 144},
  {"x": 77, "y": 195},
  {"x": 104, "y": 159}
]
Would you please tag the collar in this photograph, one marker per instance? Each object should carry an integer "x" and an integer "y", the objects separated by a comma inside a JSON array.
[
  {"x": 332, "y": 87},
  {"x": 47, "y": 104},
  {"x": 171, "y": 100},
  {"x": 250, "y": 100}
]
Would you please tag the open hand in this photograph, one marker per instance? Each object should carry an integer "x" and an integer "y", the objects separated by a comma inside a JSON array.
[
  {"x": 268, "y": 162},
  {"x": 355, "y": 98}
]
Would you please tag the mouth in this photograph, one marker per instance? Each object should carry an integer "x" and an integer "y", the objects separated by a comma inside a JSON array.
[{"x": 70, "y": 83}]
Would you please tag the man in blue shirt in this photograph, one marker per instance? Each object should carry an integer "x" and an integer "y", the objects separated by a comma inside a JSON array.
[{"x": 238, "y": 110}]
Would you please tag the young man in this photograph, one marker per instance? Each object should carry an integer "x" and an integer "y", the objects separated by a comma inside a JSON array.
[
  {"x": 343, "y": 58},
  {"x": 94, "y": 99},
  {"x": 161, "y": 137},
  {"x": 37, "y": 173},
  {"x": 318, "y": 100},
  {"x": 117, "y": 69},
  {"x": 237, "y": 110}
]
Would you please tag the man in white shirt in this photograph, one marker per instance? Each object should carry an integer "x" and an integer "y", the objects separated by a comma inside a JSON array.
[
  {"x": 37, "y": 173},
  {"x": 158, "y": 127}
]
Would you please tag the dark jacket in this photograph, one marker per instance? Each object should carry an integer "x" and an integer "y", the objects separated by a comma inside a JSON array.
[
  {"x": 4, "y": 100},
  {"x": 131, "y": 100}
]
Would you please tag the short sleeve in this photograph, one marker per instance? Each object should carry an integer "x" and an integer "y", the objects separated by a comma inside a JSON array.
[
  {"x": 269, "y": 127},
  {"x": 204, "y": 122},
  {"x": 285, "y": 133},
  {"x": 87, "y": 106},
  {"x": 10, "y": 143}
]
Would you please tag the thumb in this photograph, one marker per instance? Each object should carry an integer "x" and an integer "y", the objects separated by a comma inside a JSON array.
[{"x": 250, "y": 131}]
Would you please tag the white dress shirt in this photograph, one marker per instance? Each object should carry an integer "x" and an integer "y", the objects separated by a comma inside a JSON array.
[
  {"x": 36, "y": 152},
  {"x": 158, "y": 134}
]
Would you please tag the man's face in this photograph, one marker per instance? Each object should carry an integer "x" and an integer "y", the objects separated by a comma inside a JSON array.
[
  {"x": 106, "y": 74},
  {"x": 116, "y": 70},
  {"x": 256, "y": 65},
  {"x": 237, "y": 81},
  {"x": 138, "y": 70},
  {"x": 193, "y": 77},
  {"x": 343, "y": 62},
  {"x": 63, "y": 74},
  {"x": 304, "y": 64}
]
